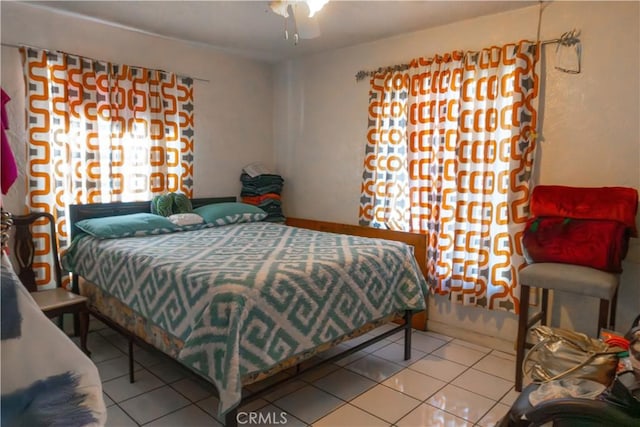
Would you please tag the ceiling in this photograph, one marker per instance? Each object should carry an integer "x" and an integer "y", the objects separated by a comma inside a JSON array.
[{"x": 251, "y": 29}]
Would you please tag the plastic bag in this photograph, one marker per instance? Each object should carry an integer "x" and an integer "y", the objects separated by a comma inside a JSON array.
[{"x": 566, "y": 387}]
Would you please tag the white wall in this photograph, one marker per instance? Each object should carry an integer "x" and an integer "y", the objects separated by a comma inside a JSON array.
[
  {"x": 589, "y": 129},
  {"x": 232, "y": 111}
]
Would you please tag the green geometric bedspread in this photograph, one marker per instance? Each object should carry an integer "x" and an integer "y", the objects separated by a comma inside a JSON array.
[{"x": 245, "y": 297}]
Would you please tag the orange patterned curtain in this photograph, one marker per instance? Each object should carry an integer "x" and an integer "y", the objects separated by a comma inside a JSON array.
[
  {"x": 100, "y": 133},
  {"x": 468, "y": 132}
]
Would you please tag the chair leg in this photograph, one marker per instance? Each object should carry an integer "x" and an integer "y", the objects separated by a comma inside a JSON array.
[
  {"x": 523, "y": 320},
  {"x": 131, "y": 375},
  {"x": 612, "y": 311},
  {"x": 603, "y": 315},
  {"x": 544, "y": 304},
  {"x": 76, "y": 324},
  {"x": 83, "y": 323}
]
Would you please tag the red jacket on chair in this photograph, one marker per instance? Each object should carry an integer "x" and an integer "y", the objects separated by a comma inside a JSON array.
[{"x": 581, "y": 226}]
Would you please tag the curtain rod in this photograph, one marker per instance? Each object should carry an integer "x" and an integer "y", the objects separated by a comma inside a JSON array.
[
  {"x": 93, "y": 59},
  {"x": 567, "y": 39}
]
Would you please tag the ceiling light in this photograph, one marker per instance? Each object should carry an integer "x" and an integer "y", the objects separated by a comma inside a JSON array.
[
  {"x": 315, "y": 5},
  {"x": 304, "y": 27},
  {"x": 281, "y": 7}
]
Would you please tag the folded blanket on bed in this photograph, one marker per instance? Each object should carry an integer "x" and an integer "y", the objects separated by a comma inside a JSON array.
[{"x": 52, "y": 402}]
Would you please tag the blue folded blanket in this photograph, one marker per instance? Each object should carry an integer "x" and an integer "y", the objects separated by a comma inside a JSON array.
[
  {"x": 10, "y": 320},
  {"x": 52, "y": 402}
]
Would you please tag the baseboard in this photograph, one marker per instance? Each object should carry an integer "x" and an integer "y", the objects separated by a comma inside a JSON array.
[{"x": 507, "y": 346}]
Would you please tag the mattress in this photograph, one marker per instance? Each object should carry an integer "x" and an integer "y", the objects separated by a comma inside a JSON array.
[{"x": 243, "y": 298}]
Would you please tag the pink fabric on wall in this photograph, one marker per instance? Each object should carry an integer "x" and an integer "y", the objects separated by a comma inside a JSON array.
[{"x": 9, "y": 171}]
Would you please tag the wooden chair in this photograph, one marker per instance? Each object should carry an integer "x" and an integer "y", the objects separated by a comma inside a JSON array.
[{"x": 53, "y": 302}]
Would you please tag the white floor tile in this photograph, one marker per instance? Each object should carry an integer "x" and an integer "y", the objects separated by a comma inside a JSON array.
[
  {"x": 385, "y": 403},
  {"x": 309, "y": 404},
  {"x": 387, "y": 327},
  {"x": 350, "y": 416},
  {"x": 510, "y": 397},
  {"x": 154, "y": 404},
  {"x": 425, "y": 342},
  {"x": 494, "y": 415},
  {"x": 394, "y": 352},
  {"x": 147, "y": 358},
  {"x": 116, "y": 417},
  {"x": 284, "y": 389},
  {"x": 471, "y": 345},
  {"x": 504, "y": 355},
  {"x": 351, "y": 358},
  {"x": 437, "y": 335},
  {"x": 100, "y": 348},
  {"x": 414, "y": 384},
  {"x": 497, "y": 366},
  {"x": 319, "y": 372},
  {"x": 375, "y": 368},
  {"x": 448, "y": 382},
  {"x": 344, "y": 384},
  {"x": 191, "y": 416},
  {"x": 254, "y": 405},
  {"x": 483, "y": 384},
  {"x": 120, "y": 388},
  {"x": 115, "y": 368},
  {"x": 193, "y": 389},
  {"x": 209, "y": 405},
  {"x": 436, "y": 367},
  {"x": 459, "y": 354},
  {"x": 370, "y": 348},
  {"x": 462, "y": 403},
  {"x": 96, "y": 325},
  {"x": 117, "y": 339},
  {"x": 169, "y": 371},
  {"x": 267, "y": 382},
  {"x": 426, "y": 415},
  {"x": 107, "y": 400}
]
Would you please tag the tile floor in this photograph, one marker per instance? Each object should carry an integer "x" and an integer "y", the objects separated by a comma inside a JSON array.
[{"x": 448, "y": 382}]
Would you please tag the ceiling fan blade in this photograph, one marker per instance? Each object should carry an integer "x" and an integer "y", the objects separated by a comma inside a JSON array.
[{"x": 308, "y": 28}]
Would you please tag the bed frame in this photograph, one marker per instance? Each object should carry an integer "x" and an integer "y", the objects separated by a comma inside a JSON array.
[{"x": 79, "y": 212}]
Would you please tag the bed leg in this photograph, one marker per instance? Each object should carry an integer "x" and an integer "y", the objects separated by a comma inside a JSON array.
[
  {"x": 231, "y": 419},
  {"x": 131, "y": 377},
  {"x": 407, "y": 335}
]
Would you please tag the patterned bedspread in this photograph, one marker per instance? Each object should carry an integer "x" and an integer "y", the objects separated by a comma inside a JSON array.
[{"x": 244, "y": 297}]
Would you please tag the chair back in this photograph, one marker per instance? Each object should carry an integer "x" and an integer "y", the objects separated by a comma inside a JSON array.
[{"x": 24, "y": 247}]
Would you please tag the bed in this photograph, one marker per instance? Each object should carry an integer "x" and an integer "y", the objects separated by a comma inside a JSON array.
[
  {"x": 46, "y": 378},
  {"x": 240, "y": 302}
]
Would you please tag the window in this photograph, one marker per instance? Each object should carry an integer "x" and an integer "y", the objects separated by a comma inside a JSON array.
[{"x": 450, "y": 147}]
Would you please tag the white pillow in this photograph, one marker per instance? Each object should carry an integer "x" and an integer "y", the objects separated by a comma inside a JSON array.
[{"x": 186, "y": 219}]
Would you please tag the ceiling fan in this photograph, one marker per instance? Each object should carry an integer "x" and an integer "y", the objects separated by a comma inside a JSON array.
[{"x": 302, "y": 14}]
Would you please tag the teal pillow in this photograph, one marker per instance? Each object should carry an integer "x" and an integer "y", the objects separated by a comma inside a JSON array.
[
  {"x": 138, "y": 224},
  {"x": 230, "y": 213}
]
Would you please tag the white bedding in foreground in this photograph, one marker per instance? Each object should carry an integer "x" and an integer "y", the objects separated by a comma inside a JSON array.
[{"x": 41, "y": 351}]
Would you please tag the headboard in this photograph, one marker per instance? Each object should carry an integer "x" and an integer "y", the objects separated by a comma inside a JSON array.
[{"x": 99, "y": 210}]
